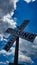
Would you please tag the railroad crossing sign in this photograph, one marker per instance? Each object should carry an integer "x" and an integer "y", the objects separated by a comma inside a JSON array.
[{"x": 16, "y": 34}]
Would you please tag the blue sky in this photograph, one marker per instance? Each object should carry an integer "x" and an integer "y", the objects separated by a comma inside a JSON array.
[
  {"x": 28, "y": 11},
  {"x": 21, "y": 11}
]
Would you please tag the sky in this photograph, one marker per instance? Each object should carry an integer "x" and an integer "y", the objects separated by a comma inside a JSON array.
[{"x": 12, "y": 14}]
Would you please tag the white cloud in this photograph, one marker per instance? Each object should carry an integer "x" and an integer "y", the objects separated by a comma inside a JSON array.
[
  {"x": 24, "y": 58},
  {"x": 15, "y": 1},
  {"x": 28, "y": 47},
  {"x": 5, "y": 23},
  {"x": 7, "y": 8},
  {"x": 33, "y": 0},
  {"x": 4, "y": 62},
  {"x": 7, "y": 53},
  {"x": 28, "y": 1},
  {"x": 1, "y": 37}
]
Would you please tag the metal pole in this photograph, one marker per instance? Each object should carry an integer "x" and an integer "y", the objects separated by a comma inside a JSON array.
[{"x": 16, "y": 51}]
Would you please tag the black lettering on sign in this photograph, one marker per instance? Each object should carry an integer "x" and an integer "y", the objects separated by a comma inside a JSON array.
[
  {"x": 17, "y": 32},
  {"x": 31, "y": 37},
  {"x": 25, "y": 35},
  {"x": 20, "y": 34}
]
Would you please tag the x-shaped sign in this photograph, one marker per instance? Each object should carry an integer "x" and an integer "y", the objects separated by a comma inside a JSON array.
[{"x": 19, "y": 33}]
